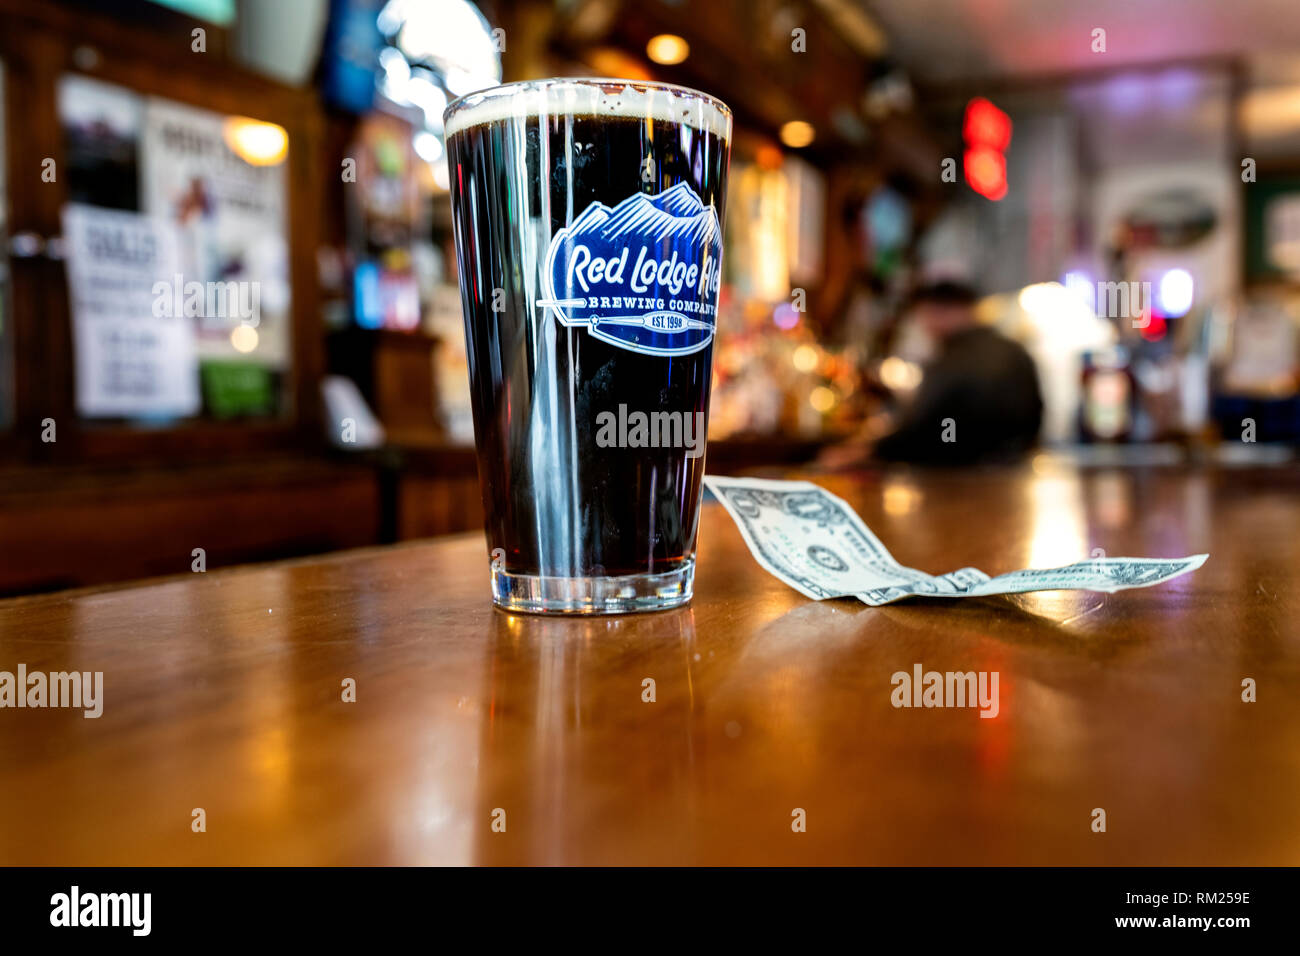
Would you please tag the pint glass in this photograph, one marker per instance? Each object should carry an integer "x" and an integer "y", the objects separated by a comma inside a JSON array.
[{"x": 588, "y": 223}]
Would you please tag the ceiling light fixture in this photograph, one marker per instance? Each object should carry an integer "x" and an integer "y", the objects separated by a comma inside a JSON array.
[
  {"x": 668, "y": 49},
  {"x": 797, "y": 134}
]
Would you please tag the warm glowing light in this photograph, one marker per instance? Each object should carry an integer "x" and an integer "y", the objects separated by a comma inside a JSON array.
[
  {"x": 1043, "y": 464},
  {"x": 1058, "y": 536},
  {"x": 822, "y": 399},
  {"x": 1285, "y": 253},
  {"x": 1052, "y": 306},
  {"x": 1062, "y": 319},
  {"x": 609, "y": 61},
  {"x": 797, "y": 134},
  {"x": 768, "y": 156},
  {"x": 1042, "y": 298},
  {"x": 1272, "y": 111},
  {"x": 1176, "y": 292},
  {"x": 901, "y": 498},
  {"x": 668, "y": 49},
  {"x": 805, "y": 358},
  {"x": 255, "y": 142},
  {"x": 243, "y": 338},
  {"x": 766, "y": 256},
  {"x": 899, "y": 374}
]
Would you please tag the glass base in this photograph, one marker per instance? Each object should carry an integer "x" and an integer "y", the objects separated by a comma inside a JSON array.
[{"x": 626, "y": 594}]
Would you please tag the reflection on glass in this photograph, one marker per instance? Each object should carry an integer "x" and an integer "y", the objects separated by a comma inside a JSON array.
[{"x": 552, "y": 725}]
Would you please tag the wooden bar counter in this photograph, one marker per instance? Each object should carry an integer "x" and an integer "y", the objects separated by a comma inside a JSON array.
[{"x": 224, "y": 691}]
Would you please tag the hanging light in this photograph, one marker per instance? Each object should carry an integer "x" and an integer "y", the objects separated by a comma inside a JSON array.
[
  {"x": 668, "y": 49},
  {"x": 255, "y": 142},
  {"x": 243, "y": 338},
  {"x": 797, "y": 134}
]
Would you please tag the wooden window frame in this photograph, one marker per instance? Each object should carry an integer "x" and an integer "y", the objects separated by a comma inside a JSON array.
[{"x": 150, "y": 55}]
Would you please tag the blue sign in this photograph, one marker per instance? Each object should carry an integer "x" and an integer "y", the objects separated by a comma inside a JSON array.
[{"x": 643, "y": 275}]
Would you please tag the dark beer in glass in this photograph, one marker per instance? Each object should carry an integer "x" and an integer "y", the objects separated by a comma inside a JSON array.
[{"x": 588, "y": 223}]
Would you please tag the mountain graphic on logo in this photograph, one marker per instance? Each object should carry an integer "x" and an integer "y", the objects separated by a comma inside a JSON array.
[
  {"x": 642, "y": 275},
  {"x": 676, "y": 213}
]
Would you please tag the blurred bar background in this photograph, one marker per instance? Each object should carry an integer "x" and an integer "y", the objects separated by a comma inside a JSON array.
[{"x": 1118, "y": 182}]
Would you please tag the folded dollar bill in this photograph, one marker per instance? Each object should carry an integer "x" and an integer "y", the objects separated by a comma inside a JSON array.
[{"x": 814, "y": 542}]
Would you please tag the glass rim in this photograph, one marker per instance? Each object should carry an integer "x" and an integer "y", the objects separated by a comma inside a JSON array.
[{"x": 477, "y": 97}]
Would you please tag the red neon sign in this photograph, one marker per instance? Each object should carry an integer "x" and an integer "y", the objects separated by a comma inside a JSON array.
[{"x": 987, "y": 131}]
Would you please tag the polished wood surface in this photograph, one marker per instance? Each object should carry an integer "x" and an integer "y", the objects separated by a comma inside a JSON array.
[{"x": 223, "y": 691}]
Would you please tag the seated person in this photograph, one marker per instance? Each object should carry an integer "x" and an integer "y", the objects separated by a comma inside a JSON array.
[{"x": 978, "y": 400}]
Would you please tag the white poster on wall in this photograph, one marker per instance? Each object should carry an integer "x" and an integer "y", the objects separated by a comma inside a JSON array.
[
  {"x": 230, "y": 216},
  {"x": 131, "y": 361}
]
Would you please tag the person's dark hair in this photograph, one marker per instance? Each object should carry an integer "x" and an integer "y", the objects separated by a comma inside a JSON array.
[{"x": 946, "y": 292}]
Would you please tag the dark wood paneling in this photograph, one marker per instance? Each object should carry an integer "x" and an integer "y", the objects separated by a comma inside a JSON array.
[
  {"x": 66, "y": 527},
  {"x": 430, "y": 505}
]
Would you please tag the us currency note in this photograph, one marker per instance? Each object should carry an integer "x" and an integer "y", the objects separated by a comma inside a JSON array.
[
  {"x": 814, "y": 542},
  {"x": 809, "y": 538}
]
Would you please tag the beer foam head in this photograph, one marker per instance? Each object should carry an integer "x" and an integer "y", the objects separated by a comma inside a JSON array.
[{"x": 631, "y": 99}]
